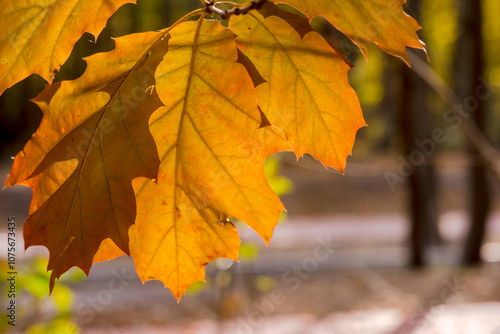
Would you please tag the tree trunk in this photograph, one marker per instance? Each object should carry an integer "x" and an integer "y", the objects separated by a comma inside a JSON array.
[
  {"x": 415, "y": 125},
  {"x": 470, "y": 66}
]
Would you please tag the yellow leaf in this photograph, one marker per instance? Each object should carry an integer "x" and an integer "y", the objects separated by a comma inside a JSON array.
[
  {"x": 212, "y": 153},
  {"x": 306, "y": 92},
  {"x": 382, "y": 22},
  {"x": 93, "y": 141},
  {"x": 37, "y": 36}
]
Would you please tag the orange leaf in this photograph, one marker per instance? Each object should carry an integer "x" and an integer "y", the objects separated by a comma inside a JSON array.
[
  {"x": 306, "y": 92},
  {"x": 93, "y": 140},
  {"x": 38, "y": 36},
  {"x": 382, "y": 22},
  {"x": 212, "y": 153},
  {"x": 107, "y": 251}
]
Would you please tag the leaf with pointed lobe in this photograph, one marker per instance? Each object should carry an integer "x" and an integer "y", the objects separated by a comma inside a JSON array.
[
  {"x": 98, "y": 125},
  {"x": 305, "y": 91},
  {"x": 212, "y": 153},
  {"x": 382, "y": 22}
]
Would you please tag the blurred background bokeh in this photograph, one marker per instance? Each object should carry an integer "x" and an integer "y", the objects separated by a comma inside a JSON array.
[{"x": 407, "y": 241}]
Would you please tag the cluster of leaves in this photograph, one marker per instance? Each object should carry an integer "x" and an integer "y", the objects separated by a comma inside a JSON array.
[{"x": 162, "y": 139}]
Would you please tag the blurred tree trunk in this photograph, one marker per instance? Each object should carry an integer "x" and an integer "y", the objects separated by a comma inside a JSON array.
[
  {"x": 470, "y": 66},
  {"x": 419, "y": 150}
]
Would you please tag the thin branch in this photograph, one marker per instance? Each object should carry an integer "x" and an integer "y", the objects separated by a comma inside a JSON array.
[
  {"x": 487, "y": 151},
  {"x": 211, "y": 8}
]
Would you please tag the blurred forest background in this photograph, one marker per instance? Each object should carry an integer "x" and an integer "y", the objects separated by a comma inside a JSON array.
[{"x": 420, "y": 191}]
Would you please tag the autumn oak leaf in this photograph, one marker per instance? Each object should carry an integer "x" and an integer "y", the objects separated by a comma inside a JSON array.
[
  {"x": 382, "y": 22},
  {"x": 212, "y": 151},
  {"x": 95, "y": 132},
  {"x": 305, "y": 90},
  {"x": 38, "y": 36}
]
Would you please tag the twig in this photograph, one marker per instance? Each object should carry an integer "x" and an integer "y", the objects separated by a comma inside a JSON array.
[
  {"x": 236, "y": 10},
  {"x": 487, "y": 151}
]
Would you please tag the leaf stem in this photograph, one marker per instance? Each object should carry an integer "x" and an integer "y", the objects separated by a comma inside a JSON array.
[{"x": 199, "y": 11}]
